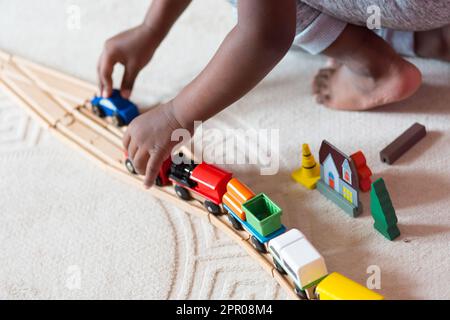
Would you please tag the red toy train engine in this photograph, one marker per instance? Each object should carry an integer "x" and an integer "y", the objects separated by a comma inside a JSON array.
[{"x": 202, "y": 179}]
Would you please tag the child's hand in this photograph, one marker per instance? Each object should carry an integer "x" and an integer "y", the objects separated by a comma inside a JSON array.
[
  {"x": 148, "y": 141},
  {"x": 133, "y": 48}
]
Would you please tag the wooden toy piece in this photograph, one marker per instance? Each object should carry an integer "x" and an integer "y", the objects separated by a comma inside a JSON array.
[
  {"x": 55, "y": 82},
  {"x": 205, "y": 180},
  {"x": 237, "y": 193},
  {"x": 339, "y": 179},
  {"x": 92, "y": 141},
  {"x": 383, "y": 211},
  {"x": 333, "y": 196},
  {"x": 163, "y": 175},
  {"x": 364, "y": 172},
  {"x": 88, "y": 115},
  {"x": 263, "y": 214},
  {"x": 335, "y": 286},
  {"x": 403, "y": 143},
  {"x": 21, "y": 102},
  {"x": 257, "y": 215},
  {"x": 309, "y": 173},
  {"x": 10, "y": 70},
  {"x": 296, "y": 256},
  {"x": 98, "y": 127},
  {"x": 121, "y": 111}
]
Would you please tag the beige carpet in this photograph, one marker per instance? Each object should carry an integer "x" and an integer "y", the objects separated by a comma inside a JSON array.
[{"x": 70, "y": 230}]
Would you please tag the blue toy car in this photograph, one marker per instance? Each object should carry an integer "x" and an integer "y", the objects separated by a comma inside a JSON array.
[{"x": 121, "y": 111}]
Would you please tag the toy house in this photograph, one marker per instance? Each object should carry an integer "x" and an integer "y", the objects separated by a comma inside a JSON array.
[{"x": 339, "y": 179}]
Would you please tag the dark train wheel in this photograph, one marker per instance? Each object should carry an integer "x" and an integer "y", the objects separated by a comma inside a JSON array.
[
  {"x": 98, "y": 112},
  {"x": 158, "y": 182},
  {"x": 258, "y": 245},
  {"x": 234, "y": 222},
  {"x": 182, "y": 193},
  {"x": 278, "y": 267},
  {"x": 212, "y": 207},
  {"x": 117, "y": 121},
  {"x": 130, "y": 167},
  {"x": 301, "y": 293}
]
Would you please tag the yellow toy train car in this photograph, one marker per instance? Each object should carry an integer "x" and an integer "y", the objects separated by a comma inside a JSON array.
[{"x": 338, "y": 287}]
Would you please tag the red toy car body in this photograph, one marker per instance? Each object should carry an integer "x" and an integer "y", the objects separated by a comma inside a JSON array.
[
  {"x": 203, "y": 179},
  {"x": 163, "y": 176},
  {"x": 211, "y": 182}
]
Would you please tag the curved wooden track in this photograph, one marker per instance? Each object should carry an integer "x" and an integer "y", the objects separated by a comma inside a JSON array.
[{"x": 57, "y": 101}]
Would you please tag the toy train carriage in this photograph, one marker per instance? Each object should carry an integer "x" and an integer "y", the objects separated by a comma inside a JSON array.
[
  {"x": 163, "y": 175},
  {"x": 203, "y": 179},
  {"x": 338, "y": 287},
  {"x": 295, "y": 256},
  {"x": 258, "y": 215}
]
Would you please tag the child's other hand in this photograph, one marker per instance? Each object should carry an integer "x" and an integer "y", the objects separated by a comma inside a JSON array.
[
  {"x": 148, "y": 141},
  {"x": 133, "y": 48}
]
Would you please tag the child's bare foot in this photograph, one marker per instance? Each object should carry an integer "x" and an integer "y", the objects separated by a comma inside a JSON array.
[
  {"x": 367, "y": 73},
  {"x": 434, "y": 44}
]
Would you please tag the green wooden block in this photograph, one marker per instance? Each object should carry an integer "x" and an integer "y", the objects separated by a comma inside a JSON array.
[
  {"x": 263, "y": 214},
  {"x": 383, "y": 211},
  {"x": 334, "y": 196},
  {"x": 389, "y": 233}
]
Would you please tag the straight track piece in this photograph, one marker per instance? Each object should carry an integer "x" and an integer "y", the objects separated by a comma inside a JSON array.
[
  {"x": 99, "y": 121},
  {"x": 56, "y": 82},
  {"x": 9, "y": 69},
  {"x": 91, "y": 141},
  {"x": 41, "y": 103},
  {"x": 99, "y": 128},
  {"x": 24, "y": 104}
]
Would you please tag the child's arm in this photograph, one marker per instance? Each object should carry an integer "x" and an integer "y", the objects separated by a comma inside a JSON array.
[
  {"x": 262, "y": 36},
  {"x": 135, "y": 47}
]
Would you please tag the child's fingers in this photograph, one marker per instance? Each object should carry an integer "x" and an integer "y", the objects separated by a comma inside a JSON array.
[
  {"x": 153, "y": 165},
  {"x": 132, "y": 150},
  {"x": 105, "y": 70},
  {"x": 140, "y": 161},
  {"x": 99, "y": 79},
  {"x": 129, "y": 77},
  {"x": 126, "y": 140}
]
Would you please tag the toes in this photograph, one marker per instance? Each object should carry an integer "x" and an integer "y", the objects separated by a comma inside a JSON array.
[
  {"x": 323, "y": 99},
  {"x": 326, "y": 72},
  {"x": 321, "y": 81},
  {"x": 322, "y": 85}
]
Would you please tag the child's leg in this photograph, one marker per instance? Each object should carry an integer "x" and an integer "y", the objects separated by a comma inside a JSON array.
[{"x": 368, "y": 73}]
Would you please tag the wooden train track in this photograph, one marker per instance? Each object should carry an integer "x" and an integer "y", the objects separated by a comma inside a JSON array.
[{"x": 57, "y": 100}]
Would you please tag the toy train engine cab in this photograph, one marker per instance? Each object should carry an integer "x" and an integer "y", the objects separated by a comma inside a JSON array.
[
  {"x": 338, "y": 287},
  {"x": 203, "y": 179},
  {"x": 163, "y": 176},
  {"x": 120, "y": 110},
  {"x": 258, "y": 215},
  {"x": 295, "y": 256}
]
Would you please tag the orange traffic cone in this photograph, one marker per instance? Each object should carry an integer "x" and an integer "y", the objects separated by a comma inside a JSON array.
[{"x": 309, "y": 173}]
